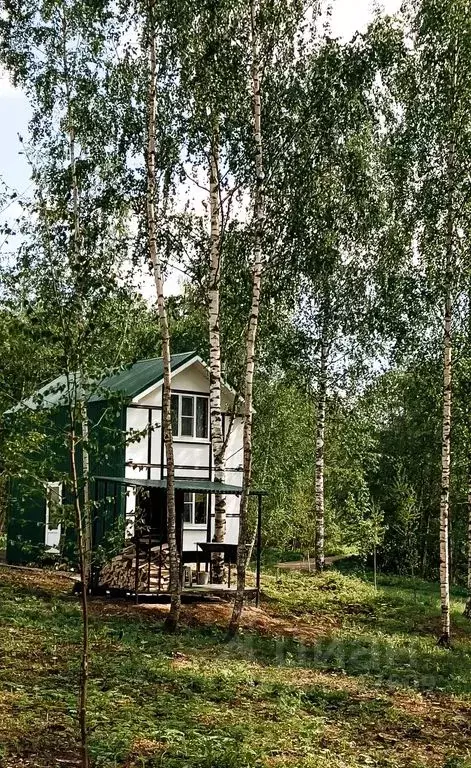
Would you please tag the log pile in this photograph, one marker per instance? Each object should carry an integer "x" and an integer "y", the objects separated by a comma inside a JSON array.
[{"x": 120, "y": 571}]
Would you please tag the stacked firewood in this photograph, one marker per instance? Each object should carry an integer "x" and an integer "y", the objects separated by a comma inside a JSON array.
[{"x": 153, "y": 571}]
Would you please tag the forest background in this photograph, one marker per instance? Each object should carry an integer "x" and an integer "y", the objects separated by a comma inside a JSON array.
[{"x": 366, "y": 282}]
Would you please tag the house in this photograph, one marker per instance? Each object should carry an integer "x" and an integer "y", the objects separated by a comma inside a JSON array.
[
  {"x": 128, "y": 463},
  {"x": 145, "y": 457}
]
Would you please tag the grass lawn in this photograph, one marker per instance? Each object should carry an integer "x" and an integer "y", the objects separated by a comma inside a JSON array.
[{"x": 329, "y": 674}]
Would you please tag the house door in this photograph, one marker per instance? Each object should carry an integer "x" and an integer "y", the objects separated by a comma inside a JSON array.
[
  {"x": 152, "y": 506},
  {"x": 53, "y": 515}
]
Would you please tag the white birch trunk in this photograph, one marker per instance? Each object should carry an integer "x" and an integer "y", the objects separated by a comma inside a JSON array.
[
  {"x": 259, "y": 220},
  {"x": 445, "y": 493},
  {"x": 320, "y": 448},
  {"x": 445, "y": 637},
  {"x": 154, "y": 256},
  {"x": 217, "y": 436}
]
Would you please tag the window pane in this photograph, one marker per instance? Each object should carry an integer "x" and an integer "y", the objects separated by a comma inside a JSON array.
[
  {"x": 200, "y": 508},
  {"x": 54, "y": 504},
  {"x": 187, "y": 426},
  {"x": 175, "y": 414},
  {"x": 187, "y": 510},
  {"x": 202, "y": 417},
  {"x": 187, "y": 406}
]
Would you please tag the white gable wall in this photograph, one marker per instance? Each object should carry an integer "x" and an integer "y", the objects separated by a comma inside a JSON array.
[{"x": 192, "y": 455}]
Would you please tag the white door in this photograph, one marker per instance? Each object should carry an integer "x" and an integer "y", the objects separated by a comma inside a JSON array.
[{"x": 53, "y": 512}]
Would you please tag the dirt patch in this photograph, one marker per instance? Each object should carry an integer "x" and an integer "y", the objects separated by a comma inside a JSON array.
[
  {"x": 42, "y": 762},
  {"x": 203, "y": 614},
  {"x": 428, "y": 741},
  {"x": 218, "y": 614},
  {"x": 35, "y": 579}
]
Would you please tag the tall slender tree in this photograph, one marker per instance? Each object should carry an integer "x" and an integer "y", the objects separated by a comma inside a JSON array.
[
  {"x": 59, "y": 54},
  {"x": 330, "y": 210},
  {"x": 435, "y": 128},
  {"x": 259, "y": 222},
  {"x": 156, "y": 262},
  {"x": 213, "y": 83},
  {"x": 214, "y": 304}
]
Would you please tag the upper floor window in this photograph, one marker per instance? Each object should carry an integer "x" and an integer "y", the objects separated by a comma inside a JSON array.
[{"x": 190, "y": 416}]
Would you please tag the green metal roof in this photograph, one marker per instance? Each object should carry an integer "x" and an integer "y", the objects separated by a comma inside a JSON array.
[
  {"x": 50, "y": 395},
  {"x": 130, "y": 382},
  {"x": 183, "y": 484},
  {"x": 142, "y": 375}
]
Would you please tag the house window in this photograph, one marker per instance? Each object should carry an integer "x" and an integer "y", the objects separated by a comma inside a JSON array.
[
  {"x": 190, "y": 416},
  {"x": 195, "y": 508},
  {"x": 53, "y": 515}
]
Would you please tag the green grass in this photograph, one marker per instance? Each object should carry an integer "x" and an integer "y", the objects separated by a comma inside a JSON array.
[{"x": 338, "y": 676}]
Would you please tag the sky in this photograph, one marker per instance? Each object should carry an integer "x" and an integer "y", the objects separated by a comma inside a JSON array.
[{"x": 349, "y": 16}]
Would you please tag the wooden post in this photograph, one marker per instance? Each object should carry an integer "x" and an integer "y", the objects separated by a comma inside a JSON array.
[
  {"x": 93, "y": 512},
  {"x": 149, "y": 442},
  {"x": 259, "y": 547},
  {"x": 136, "y": 575}
]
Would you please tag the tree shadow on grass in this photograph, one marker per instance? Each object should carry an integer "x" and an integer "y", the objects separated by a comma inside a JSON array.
[{"x": 414, "y": 664}]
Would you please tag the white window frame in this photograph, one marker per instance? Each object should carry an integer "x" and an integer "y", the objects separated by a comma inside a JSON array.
[
  {"x": 191, "y": 438},
  {"x": 192, "y": 524},
  {"x": 47, "y": 529}
]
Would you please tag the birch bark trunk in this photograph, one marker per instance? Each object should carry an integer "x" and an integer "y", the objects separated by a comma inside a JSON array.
[
  {"x": 217, "y": 436},
  {"x": 445, "y": 636},
  {"x": 467, "y": 610},
  {"x": 320, "y": 453},
  {"x": 445, "y": 493},
  {"x": 171, "y": 622},
  {"x": 259, "y": 216}
]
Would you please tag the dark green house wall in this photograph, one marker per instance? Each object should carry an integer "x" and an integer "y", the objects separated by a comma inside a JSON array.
[
  {"x": 27, "y": 498},
  {"x": 26, "y": 522}
]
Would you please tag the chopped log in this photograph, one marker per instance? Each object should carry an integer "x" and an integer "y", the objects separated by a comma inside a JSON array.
[{"x": 153, "y": 569}]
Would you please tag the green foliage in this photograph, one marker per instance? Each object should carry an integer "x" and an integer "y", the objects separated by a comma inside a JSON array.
[{"x": 284, "y": 439}]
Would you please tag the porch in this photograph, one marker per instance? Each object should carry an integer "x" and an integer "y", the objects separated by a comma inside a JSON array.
[{"x": 130, "y": 548}]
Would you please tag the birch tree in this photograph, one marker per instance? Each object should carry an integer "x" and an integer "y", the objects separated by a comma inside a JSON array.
[
  {"x": 331, "y": 212},
  {"x": 212, "y": 85},
  {"x": 156, "y": 262},
  {"x": 436, "y": 123},
  {"x": 217, "y": 436},
  {"x": 259, "y": 221},
  {"x": 59, "y": 55}
]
